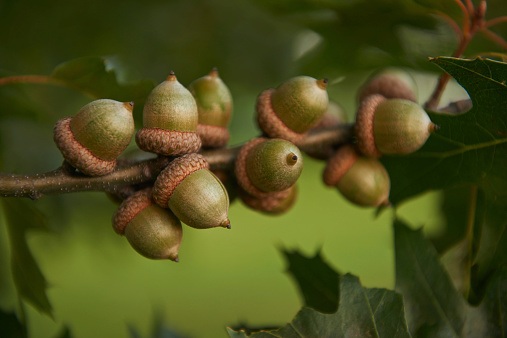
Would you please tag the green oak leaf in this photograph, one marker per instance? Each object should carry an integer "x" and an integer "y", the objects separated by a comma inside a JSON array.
[
  {"x": 317, "y": 281},
  {"x": 469, "y": 147},
  {"x": 92, "y": 75},
  {"x": 11, "y": 326},
  {"x": 21, "y": 217},
  {"x": 433, "y": 305},
  {"x": 361, "y": 311}
]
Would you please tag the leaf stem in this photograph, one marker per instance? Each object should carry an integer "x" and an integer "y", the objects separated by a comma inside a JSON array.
[
  {"x": 469, "y": 240},
  {"x": 66, "y": 179},
  {"x": 44, "y": 79}
]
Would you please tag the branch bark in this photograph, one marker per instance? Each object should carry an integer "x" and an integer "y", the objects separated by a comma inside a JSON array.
[{"x": 66, "y": 179}]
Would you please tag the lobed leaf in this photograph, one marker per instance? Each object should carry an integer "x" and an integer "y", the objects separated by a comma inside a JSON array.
[
  {"x": 317, "y": 281},
  {"x": 361, "y": 311},
  {"x": 468, "y": 148}
]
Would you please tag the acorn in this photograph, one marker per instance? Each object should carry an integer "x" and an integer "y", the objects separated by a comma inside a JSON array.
[
  {"x": 295, "y": 107},
  {"x": 152, "y": 231},
  {"x": 214, "y": 105},
  {"x": 193, "y": 193},
  {"x": 275, "y": 203},
  {"x": 334, "y": 115},
  {"x": 391, "y": 126},
  {"x": 363, "y": 181},
  {"x": 92, "y": 139},
  {"x": 392, "y": 83},
  {"x": 266, "y": 165},
  {"x": 169, "y": 120}
]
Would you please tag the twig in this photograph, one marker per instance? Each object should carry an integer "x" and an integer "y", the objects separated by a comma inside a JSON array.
[{"x": 66, "y": 180}]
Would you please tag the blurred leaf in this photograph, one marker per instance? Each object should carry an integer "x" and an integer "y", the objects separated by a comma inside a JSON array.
[
  {"x": 361, "y": 312},
  {"x": 347, "y": 26},
  {"x": 433, "y": 304},
  {"x": 468, "y": 148},
  {"x": 21, "y": 217},
  {"x": 454, "y": 201},
  {"x": 65, "y": 333},
  {"x": 10, "y": 326},
  {"x": 434, "y": 307},
  {"x": 317, "y": 281},
  {"x": 97, "y": 77}
]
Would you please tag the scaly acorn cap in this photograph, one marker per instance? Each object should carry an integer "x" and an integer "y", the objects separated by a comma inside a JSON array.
[
  {"x": 391, "y": 126},
  {"x": 392, "y": 83},
  {"x": 293, "y": 108},
  {"x": 93, "y": 139},
  {"x": 214, "y": 104},
  {"x": 265, "y": 165},
  {"x": 363, "y": 181},
  {"x": 152, "y": 231},
  {"x": 169, "y": 120},
  {"x": 275, "y": 203},
  {"x": 193, "y": 193}
]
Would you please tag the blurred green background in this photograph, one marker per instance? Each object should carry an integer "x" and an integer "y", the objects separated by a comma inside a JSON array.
[{"x": 99, "y": 286}]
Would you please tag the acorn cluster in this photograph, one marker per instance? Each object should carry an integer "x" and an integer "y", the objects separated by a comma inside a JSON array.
[{"x": 179, "y": 122}]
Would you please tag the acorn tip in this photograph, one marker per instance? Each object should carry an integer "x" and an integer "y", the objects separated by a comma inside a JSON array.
[
  {"x": 433, "y": 127},
  {"x": 214, "y": 72},
  {"x": 172, "y": 76},
  {"x": 322, "y": 83}
]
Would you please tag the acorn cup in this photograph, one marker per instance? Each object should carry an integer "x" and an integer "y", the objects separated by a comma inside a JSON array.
[
  {"x": 363, "y": 181},
  {"x": 169, "y": 120},
  {"x": 214, "y": 105},
  {"x": 290, "y": 110},
  {"x": 152, "y": 231},
  {"x": 273, "y": 204},
  {"x": 193, "y": 193},
  {"x": 265, "y": 166},
  {"x": 93, "y": 139},
  {"x": 392, "y": 83},
  {"x": 391, "y": 126}
]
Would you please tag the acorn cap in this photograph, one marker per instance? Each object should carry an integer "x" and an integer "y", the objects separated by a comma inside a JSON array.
[
  {"x": 193, "y": 193},
  {"x": 401, "y": 127},
  {"x": 275, "y": 203},
  {"x": 268, "y": 165},
  {"x": 300, "y": 102},
  {"x": 153, "y": 232},
  {"x": 363, "y": 128},
  {"x": 392, "y": 83},
  {"x": 338, "y": 164}
]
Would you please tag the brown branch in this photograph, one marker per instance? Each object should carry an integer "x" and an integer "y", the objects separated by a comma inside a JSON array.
[
  {"x": 66, "y": 180},
  {"x": 29, "y": 79}
]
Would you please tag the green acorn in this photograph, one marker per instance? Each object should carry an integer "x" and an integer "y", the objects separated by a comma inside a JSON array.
[
  {"x": 214, "y": 104},
  {"x": 391, "y": 126},
  {"x": 293, "y": 108},
  {"x": 152, "y": 231},
  {"x": 169, "y": 120},
  {"x": 193, "y": 193},
  {"x": 265, "y": 165},
  {"x": 363, "y": 181},
  {"x": 93, "y": 139}
]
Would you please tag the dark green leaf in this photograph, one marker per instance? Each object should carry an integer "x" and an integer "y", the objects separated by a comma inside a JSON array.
[
  {"x": 10, "y": 326},
  {"x": 490, "y": 317},
  {"x": 468, "y": 148},
  {"x": 21, "y": 216},
  {"x": 92, "y": 75},
  {"x": 362, "y": 313},
  {"x": 317, "y": 281},
  {"x": 433, "y": 305}
]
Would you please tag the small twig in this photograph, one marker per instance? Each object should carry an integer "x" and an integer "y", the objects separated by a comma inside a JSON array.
[
  {"x": 29, "y": 79},
  {"x": 66, "y": 180}
]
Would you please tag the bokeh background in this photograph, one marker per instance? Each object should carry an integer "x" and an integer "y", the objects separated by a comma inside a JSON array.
[{"x": 99, "y": 286}]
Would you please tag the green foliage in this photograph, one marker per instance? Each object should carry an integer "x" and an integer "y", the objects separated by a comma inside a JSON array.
[
  {"x": 317, "y": 281},
  {"x": 21, "y": 217}
]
